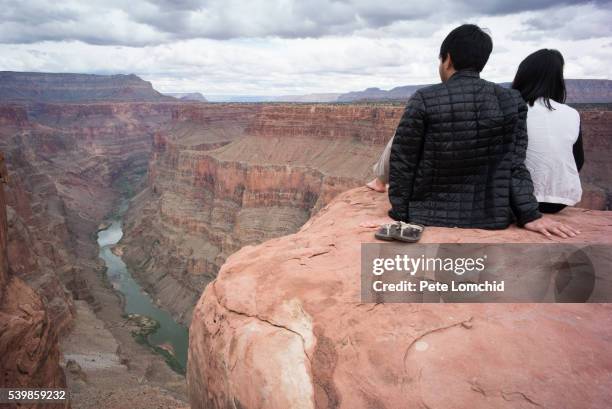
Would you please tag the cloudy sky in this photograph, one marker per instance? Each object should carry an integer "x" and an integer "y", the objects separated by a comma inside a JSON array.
[{"x": 277, "y": 47}]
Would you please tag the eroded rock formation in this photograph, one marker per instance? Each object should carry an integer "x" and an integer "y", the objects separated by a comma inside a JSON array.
[
  {"x": 596, "y": 176},
  {"x": 223, "y": 176},
  {"x": 283, "y": 326},
  {"x": 28, "y": 342},
  {"x": 67, "y": 164}
]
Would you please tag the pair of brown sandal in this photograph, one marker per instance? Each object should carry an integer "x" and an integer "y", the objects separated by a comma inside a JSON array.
[{"x": 400, "y": 231}]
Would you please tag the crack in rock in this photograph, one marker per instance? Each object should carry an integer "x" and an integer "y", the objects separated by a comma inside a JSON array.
[
  {"x": 244, "y": 314},
  {"x": 507, "y": 397},
  {"x": 463, "y": 323}
]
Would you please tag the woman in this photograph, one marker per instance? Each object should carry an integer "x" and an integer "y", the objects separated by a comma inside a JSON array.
[{"x": 554, "y": 152}]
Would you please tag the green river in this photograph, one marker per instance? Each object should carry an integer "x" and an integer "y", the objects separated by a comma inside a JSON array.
[{"x": 169, "y": 335}]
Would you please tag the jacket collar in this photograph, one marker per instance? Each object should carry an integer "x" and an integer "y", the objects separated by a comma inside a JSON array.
[{"x": 464, "y": 73}]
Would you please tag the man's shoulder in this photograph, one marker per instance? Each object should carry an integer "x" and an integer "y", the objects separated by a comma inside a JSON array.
[
  {"x": 478, "y": 82},
  {"x": 510, "y": 100},
  {"x": 507, "y": 93},
  {"x": 428, "y": 95},
  {"x": 430, "y": 89}
]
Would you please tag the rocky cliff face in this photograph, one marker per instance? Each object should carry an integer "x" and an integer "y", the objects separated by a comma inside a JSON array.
[
  {"x": 37, "y": 233},
  {"x": 4, "y": 270},
  {"x": 596, "y": 175},
  {"x": 55, "y": 87},
  {"x": 223, "y": 176},
  {"x": 283, "y": 326},
  {"x": 28, "y": 342},
  {"x": 66, "y": 164}
]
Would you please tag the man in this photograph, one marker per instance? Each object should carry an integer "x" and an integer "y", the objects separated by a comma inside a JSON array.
[{"x": 457, "y": 157}]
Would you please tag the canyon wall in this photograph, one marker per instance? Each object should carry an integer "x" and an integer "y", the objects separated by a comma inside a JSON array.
[
  {"x": 596, "y": 175},
  {"x": 67, "y": 164},
  {"x": 284, "y": 326},
  {"x": 28, "y": 341},
  {"x": 37, "y": 247},
  {"x": 223, "y": 176},
  {"x": 220, "y": 176}
]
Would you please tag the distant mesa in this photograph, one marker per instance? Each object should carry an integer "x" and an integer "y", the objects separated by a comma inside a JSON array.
[
  {"x": 589, "y": 91},
  {"x": 305, "y": 98},
  {"x": 187, "y": 96},
  {"x": 321, "y": 97},
  {"x": 397, "y": 93},
  {"x": 28, "y": 87},
  {"x": 578, "y": 91},
  {"x": 59, "y": 87}
]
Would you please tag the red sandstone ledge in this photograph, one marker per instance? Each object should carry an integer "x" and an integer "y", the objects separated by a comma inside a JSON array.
[{"x": 283, "y": 327}]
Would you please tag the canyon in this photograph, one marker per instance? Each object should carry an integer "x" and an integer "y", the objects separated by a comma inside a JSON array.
[
  {"x": 62, "y": 161},
  {"x": 203, "y": 181},
  {"x": 67, "y": 164},
  {"x": 224, "y": 176}
]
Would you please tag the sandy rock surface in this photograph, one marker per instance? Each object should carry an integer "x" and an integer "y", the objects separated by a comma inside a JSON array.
[{"x": 283, "y": 327}]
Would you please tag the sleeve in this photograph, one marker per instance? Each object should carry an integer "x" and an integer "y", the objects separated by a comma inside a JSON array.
[
  {"x": 578, "y": 151},
  {"x": 522, "y": 200},
  {"x": 405, "y": 155}
]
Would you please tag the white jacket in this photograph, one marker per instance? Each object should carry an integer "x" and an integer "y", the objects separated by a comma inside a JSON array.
[{"x": 550, "y": 160}]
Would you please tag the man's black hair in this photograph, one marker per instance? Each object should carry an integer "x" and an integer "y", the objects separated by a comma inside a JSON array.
[
  {"x": 540, "y": 75},
  {"x": 469, "y": 47}
]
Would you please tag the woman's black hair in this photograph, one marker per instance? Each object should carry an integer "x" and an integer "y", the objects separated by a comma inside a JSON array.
[{"x": 540, "y": 75}]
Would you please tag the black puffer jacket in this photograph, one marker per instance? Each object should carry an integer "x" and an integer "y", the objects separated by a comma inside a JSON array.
[{"x": 458, "y": 157}]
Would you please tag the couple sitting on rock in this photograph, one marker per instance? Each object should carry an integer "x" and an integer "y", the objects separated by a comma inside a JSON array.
[{"x": 469, "y": 153}]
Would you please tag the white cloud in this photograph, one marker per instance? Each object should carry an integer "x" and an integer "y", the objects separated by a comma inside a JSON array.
[
  {"x": 149, "y": 22},
  {"x": 354, "y": 45}
]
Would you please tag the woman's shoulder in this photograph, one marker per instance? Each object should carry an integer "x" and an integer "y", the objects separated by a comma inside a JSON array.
[
  {"x": 559, "y": 109},
  {"x": 565, "y": 109}
]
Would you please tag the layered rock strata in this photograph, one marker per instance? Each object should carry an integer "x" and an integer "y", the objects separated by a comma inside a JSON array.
[
  {"x": 66, "y": 165},
  {"x": 65, "y": 87},
  {"x": 28, "y": 342},
  {"x": 596, "y": 176},
  {"x": 223, "y": 176}
]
